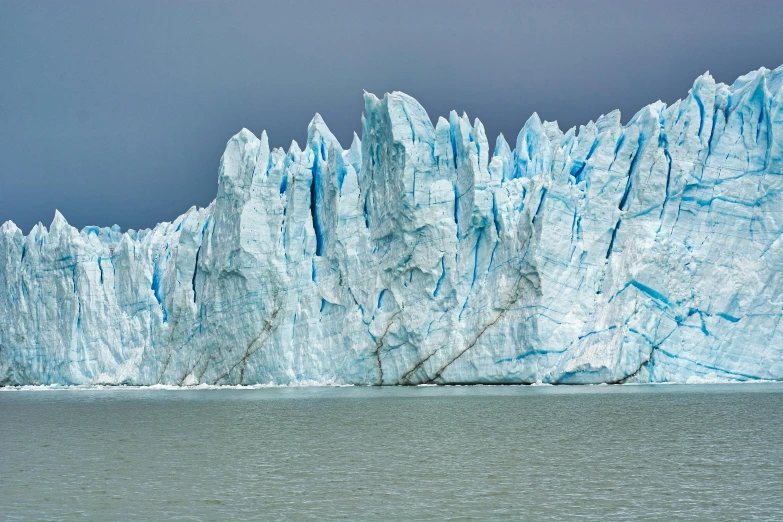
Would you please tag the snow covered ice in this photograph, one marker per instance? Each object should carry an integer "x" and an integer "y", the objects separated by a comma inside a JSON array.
[{"x": 649, "y": 252}]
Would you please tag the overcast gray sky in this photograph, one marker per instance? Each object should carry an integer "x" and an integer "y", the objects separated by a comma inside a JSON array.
[{"x": 118, "y": 112}]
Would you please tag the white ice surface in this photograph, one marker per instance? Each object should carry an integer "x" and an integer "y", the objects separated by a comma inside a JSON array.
[{"x": 649, "y": 252}]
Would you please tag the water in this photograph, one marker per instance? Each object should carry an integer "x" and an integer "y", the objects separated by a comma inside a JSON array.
[{"x": 456, "y": 453}]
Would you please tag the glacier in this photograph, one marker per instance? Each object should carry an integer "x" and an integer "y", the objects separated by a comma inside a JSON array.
[{"x": 645, "y": 252}]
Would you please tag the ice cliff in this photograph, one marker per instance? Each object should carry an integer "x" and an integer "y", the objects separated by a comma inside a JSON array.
[{"x": 647, "y": 252}]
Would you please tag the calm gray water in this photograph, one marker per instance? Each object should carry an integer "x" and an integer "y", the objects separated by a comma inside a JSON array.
[{"x": 710, "y": 452}]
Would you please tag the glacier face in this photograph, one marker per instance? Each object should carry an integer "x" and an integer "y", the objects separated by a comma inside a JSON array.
[{"x": 649, "y": 252}]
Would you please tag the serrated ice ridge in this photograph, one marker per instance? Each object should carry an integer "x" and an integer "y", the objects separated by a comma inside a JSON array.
[{"x": 649, "y": 252}]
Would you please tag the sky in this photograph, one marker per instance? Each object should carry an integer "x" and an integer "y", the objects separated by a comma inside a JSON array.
[{"x": 118, "y": 112}]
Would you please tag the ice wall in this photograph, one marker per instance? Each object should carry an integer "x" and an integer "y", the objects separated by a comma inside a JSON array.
[{"x": 645, "y": 253}]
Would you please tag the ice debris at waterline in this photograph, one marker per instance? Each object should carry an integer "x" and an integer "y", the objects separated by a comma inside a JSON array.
[{"x": 641, "y": 253}]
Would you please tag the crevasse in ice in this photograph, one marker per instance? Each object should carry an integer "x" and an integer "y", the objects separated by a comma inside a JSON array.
[{"x": 647, "y": 252}]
